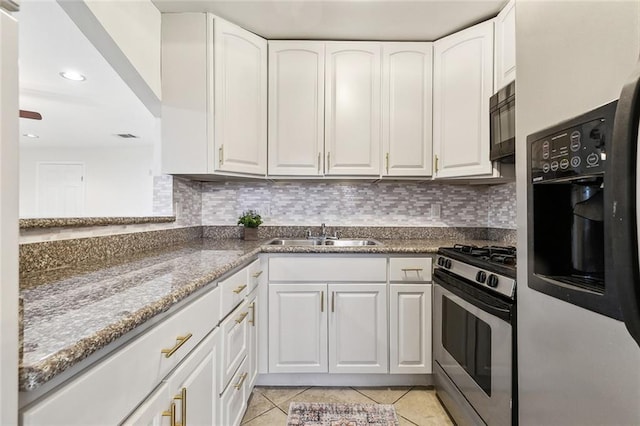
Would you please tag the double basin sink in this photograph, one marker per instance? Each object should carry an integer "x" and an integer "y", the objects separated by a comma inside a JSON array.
[{"x": 323, "y": 242}]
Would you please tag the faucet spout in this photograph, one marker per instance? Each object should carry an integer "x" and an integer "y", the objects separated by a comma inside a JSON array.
[{"x": 323, "y": 230}]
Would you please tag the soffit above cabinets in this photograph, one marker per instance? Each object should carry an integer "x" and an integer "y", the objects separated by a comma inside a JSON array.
[{"x": 399, "y": 20}]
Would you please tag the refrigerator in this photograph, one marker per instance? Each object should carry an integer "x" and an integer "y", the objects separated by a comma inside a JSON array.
[
  {"x": 8, "y": 213},
  {"x": 577, "y": 366}
]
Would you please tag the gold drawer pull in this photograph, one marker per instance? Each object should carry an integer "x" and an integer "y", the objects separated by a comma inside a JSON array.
[
  {"x": 243, "y": 377},
  {"x": 171, "y": 413},
  {"x": 182, "y": 397},
  {"x": 241, "y": 317},
  {"x": 180, "y": 340},
  {"x": 322, "y": 301},
  {"x": 239, "y": 289},
  {"x": 412, "y": 269},
  {"x": 257, "y": 274},
  {"x": 252, "y": 321}
]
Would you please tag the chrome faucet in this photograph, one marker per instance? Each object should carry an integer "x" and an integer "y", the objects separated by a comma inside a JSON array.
[
  {"x": 323, "y": 231},
  {"x": 323, "y": 234}
]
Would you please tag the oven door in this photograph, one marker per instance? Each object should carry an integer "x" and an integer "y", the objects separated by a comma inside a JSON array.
[{"x": 473, "y": 346}]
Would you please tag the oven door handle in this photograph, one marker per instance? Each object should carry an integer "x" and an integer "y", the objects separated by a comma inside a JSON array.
[{"x": 498, "y": 309}]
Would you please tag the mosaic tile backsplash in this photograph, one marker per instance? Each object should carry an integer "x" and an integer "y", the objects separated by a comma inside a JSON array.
[{"x": 361, "y": 204}]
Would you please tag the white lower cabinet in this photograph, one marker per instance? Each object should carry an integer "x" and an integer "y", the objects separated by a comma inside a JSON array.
[
  {"x": 233, "y": 401},
  {"x": 252, "y": 347},
  {"x": 410, "y": 328}
]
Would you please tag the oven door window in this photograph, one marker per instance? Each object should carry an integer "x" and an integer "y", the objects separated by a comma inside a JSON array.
[{"x": 468, "y": 339}]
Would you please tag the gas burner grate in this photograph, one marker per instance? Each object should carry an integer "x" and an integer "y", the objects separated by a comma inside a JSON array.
[{"x": 505, "y": 255}]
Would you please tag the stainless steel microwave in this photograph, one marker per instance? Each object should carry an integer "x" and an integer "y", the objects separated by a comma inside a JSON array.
[{"x": 502, "y": 109}]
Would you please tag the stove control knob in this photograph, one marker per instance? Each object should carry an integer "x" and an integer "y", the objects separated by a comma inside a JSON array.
[
  {"x": 441, "y": 261},
  {"x": 447, "y": 263},
  {"x": 492, "y": 281},
  {"x": 481, "y": 276}
]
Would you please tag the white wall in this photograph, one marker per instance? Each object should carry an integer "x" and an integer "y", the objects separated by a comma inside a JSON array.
[{"x": 118, "y": 179}]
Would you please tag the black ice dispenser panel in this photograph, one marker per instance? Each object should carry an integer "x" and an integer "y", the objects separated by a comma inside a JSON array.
[{"x": 567, "y": 225}]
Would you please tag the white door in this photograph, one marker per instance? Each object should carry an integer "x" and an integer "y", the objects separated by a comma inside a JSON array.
[
  {"x": 462, "y": 85},
  {"x": 298, "y": 328},
  {"x": 240, "y": 99},
  {"x": 406, "y": 109},
  {"x": 352, "y": 108},
  {"x": 505, "y": 54},
  {"x": 156, "y": 410},
  {"x": 60, "y": 189},
  {"x": 358, "y": 328},
  {"x": 296, "y": 108},
  {"x": 252, "y": 347},
  {"x": 410, "y": 329}
]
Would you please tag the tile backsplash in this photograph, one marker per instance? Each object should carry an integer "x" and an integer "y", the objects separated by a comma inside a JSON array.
[{"x": 389, "y": 203}]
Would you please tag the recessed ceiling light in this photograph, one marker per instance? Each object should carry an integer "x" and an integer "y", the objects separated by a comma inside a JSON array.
[
  {"x": 73, "y": 75},
  {"x": 30, "y": 135}
]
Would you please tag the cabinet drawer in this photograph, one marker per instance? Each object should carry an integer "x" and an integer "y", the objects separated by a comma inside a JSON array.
[
  {"x": 410, "y": 269},
  {"x": 233, "y": 290},
  {"x": 235, "y": 338},
  {"x": 112, "y": 387},
  {"x": 255, "y": 274},
  {"x": 233, "y": 401},
  {"x": 314, "y": 268}
]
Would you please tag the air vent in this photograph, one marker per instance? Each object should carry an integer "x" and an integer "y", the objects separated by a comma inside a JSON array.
[{"x": 127, "y": 136}]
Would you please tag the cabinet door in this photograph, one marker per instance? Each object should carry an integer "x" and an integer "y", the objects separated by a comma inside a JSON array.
[
  {"x": 297, "y": 328},
  {"x": 463, "y": 83},
  {"x": 252, "y": 348},
  {"x": 410, "y": 329},
  {"x": 505, "y": 55},
  {"x": 352, "y": 108},
  {"x": 296, "y": 108},
  {"x": 358, "y": 328},
  {"x": 154, "y": 411},
  {"x": 234, "y": 342},
  {"x": 406, "y": 109},
  {"x": 240, "y": 99}
]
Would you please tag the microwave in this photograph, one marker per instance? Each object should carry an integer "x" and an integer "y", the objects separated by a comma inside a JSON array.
[{"x": 502, "y": 111}]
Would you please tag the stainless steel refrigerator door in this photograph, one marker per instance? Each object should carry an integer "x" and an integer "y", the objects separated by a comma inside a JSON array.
[{"x": 495, "y": 409}]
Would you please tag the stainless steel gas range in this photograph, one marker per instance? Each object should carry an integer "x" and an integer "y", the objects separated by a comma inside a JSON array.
[{"x": 474, "y": 334}]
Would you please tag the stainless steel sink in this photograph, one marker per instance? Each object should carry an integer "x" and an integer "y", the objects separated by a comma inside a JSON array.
[{"x": 320, "y": 242}]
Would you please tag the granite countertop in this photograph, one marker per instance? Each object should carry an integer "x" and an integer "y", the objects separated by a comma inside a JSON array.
[{"x": 71, "y": 313}]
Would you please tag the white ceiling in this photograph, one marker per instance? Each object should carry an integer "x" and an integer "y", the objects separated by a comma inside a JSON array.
[
  {"x": 87, "y": 113},
  {"x": 424, "y": 20}
]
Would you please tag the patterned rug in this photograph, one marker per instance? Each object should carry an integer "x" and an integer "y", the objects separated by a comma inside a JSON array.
[{"x": 320, "y": 414}]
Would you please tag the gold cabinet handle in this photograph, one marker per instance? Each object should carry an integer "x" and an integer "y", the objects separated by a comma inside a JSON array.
[
  {"x": 411, "y": 269},
  {"x": 328, "y": 160},
  {"x": 322, "y": 301},
  {"x": 220, "y": 154},
  {"x": 436, "y": 164},
  {"x": 333, "y": 301},
  {"x": 319, "y": 160},
  {"x": 239, "y": 289},
  {"x": 171, "y": 413},
  {"x": 387, "y": 162},
  {"x": 257, "y": 274},
  {"x": 180, "y": 340},
  {"x": 182, "y": 397},
  {"x": 241, "y": 317},
  {"x": 241, "y": 381},
  {"x": 252, "y": 321}
]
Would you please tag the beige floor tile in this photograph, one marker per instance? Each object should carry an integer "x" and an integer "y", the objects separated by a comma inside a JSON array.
[
  {"x": 327, "y": 395},
  {"x": 423, "y": 408},
  {"x": 258, "y": 405},
  {"x": 279, "y": 394},
  {"x": 385, "y": 395},
  {"x": 404, "y": 422},
  {"x": 273, "y": 417}
]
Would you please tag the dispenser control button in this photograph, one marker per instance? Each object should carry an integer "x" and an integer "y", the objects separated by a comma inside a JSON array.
[
  {"x": 492, "y": 281},
  {"x": 564, "y": 164},
  {"x": 593, "y": 159},
  {"x": 554, "y": 166},
  {"x": 545, "y": 167},
  {"x": 545, "y": 150},
  {"x": 575, "y": 141},
  {"x": 575, "y": 161},
  {"x": 481, "y": 276}
]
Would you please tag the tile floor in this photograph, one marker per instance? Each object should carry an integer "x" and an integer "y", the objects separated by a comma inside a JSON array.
[{"x": 268, "y": 406}]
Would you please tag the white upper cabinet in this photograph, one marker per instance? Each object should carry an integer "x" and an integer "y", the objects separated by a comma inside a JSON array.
[
  {"x": 240, "y": 111},
  {"x": 463, "y": 83},
  {"x": 505, "y": 55},
  {"x": 296, "y": 108},
  {"x": 352, "y": 108},
  {"x": 406, "y": 109},
  {"x": 214, "y": 75}
]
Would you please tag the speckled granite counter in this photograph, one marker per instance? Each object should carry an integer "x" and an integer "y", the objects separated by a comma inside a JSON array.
[{"x": 70, "y": 313}]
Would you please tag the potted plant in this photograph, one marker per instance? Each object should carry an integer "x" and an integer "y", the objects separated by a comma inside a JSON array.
[{"x": 250, "y": 219}]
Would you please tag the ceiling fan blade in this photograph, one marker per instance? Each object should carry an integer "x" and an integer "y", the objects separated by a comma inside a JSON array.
[{"x": 30, "y": 114}]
